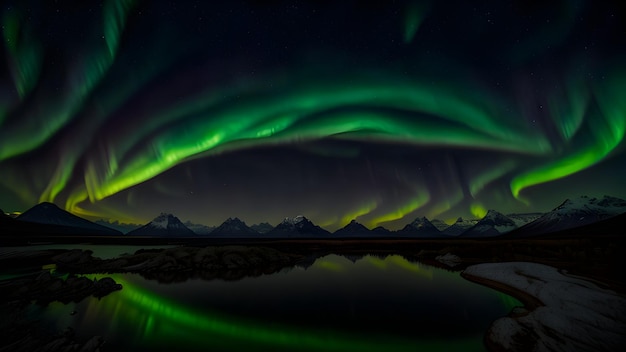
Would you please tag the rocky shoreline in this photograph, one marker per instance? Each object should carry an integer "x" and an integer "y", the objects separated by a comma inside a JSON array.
[{"x": 561, "y": 313}]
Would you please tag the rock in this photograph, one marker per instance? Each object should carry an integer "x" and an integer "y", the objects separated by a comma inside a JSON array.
[{"x": 448, "y": 259}]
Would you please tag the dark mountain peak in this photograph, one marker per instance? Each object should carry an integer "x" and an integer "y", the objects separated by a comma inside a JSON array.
[
  {"x": 379, "y": 230},
  {"x": 234, "y": 220},
  {"x": 50, "y": 214},
  {"x": 298, "y": 220},
  {"x": 164, "y": 225},
  {"x": 233, "y": 226},
  {"x": 298, "y": 225},
  {"x": 422, "y": 222},
  {"x": 420, "y": 227},
  {"x": 353, "y": 228},
  {"x": 263, "y": 227},
  {"x": 439, "y": 224},
  {"x": 492, "y": 224}
]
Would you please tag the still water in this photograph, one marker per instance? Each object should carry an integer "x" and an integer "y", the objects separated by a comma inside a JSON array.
[{"x": 358, "y": 304}]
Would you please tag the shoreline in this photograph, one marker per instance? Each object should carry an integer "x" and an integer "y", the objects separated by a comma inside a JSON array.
[{"x": 561, "y": 312}]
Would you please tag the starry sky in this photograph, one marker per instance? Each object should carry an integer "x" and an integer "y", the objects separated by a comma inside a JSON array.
[{"x": 335, "y": 110}]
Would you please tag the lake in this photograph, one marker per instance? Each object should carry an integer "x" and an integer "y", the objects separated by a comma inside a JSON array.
[{"x": 369, "y": 303}]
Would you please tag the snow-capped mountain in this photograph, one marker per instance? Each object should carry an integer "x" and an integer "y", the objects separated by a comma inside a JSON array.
[
  {"x": 524, "y": 218},
  {"x": 353, "y": 229},
  {"x": 234, "y": 226},
  {"x": 298, "y": 226},
  {"x": 439, "y": 224},
  {"x": 420, "y": 227},
  {"x": 164, "y": 225},
  {"x": 574, "y": 213},
  {"x": 262, "y": 228},
  {"x": 461, "y": 225},
  {"x": 493, "y": 224},
  {"x": 49, "y": 214}
]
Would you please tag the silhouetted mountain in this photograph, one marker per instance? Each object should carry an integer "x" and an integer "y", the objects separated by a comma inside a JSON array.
[
  {"x": 439, "y": 224},
  {"x": 459, "y": 227},
  {"x": 353, "y": 229},
  {"x": 574, "y": 213},
  {"x": 297, "y": 227},
  {"x": 613, "y": 226},
  {"x": 199, "y": 229},
  {"x": 262, "y": 228},
  {"x": 493, "y": 224},
  {"x": 70, "y": 224},
  {"x": 234, "y": 226},
  {"x": 380, "y": 231},
  {"x": 420, "y": 227},
  {"x": 164, "y": 225},
  {"x": 116, "y": 225}
]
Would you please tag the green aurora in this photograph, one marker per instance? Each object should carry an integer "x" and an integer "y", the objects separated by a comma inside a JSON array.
[{"x": 128, "y": 109}]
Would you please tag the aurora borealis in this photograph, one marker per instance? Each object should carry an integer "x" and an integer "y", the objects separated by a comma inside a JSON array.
[{"x": 335, "y": 110}]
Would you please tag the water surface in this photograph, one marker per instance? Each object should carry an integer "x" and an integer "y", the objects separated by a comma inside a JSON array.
[{"x": 366, "y": 304}]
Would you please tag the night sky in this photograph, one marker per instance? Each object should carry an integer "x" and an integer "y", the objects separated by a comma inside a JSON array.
[{"x": 331, "y": 109}]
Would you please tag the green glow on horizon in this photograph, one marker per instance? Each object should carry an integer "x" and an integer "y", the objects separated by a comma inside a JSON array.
[
  {"x": 478, "y": 210},
  {"x": 415, "y": 203},
  {"x": 363, "y": 210}
]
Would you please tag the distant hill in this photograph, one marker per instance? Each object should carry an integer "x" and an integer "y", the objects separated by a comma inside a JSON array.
[
  {"x": 262, "y": 228},
  {"x": 164, "y": 225},
  {"x": 63, "y": 221}
]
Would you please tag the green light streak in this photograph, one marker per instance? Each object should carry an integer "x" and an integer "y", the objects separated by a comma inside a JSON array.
[
  {"x": 479, "y": 182},
  {"x": 415, "y": 203},
  {"x": 309, "y": 113},
  {"x": 40, "y": 125},
  {"x": 415, "y": 14},
  {"x": 353, "y": 215},
  {"x": 25, "y": 55},
  {"x": 606, "y": 127}
]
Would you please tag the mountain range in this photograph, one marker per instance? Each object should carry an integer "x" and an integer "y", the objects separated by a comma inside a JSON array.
[
  {"x": 48, "y": 219},
  {"x": 164, "y": 225}
]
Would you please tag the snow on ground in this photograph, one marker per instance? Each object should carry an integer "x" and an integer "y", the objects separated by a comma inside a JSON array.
[{"x": 573, "y": 314}]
